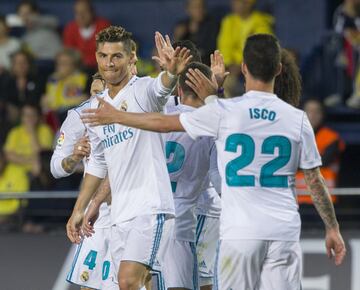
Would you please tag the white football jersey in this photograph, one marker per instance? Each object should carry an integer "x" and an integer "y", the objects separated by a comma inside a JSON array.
[
  {"x": 72, "y": 129},
  {"x": 133, "y": 158},
  {"x": 209, "y": 203},
  {"x": 188, "y": 163},
  {"x": 261, "y": 142}
]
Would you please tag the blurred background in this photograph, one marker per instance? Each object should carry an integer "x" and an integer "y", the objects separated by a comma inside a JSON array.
[{"x": 47, "y": 57}]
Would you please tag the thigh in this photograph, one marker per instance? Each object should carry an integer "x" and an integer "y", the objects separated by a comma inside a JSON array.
[
  {"x": 282, "y": 267},
  {"x": 143, "y": 239},
  {"x": 180, "y": 265},
  {"x": 239, "y": 264},
  {"x": 90, "y": 266}
]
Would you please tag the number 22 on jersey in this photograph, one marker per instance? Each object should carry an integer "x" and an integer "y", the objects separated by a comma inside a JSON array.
[{"x": 267, "y": 172}]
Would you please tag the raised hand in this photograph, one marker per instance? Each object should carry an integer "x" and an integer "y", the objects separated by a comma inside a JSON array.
[
  {"x": 176, "y": 62},
  {"x": 218, "y": 67},
  {"x": 104, "y": 114},
  {"x": 202, "y": 86},
  {"x": 163, "y": 46},
  {"x": 73, "y": 227},
  {"x": 335, "y": 246}
]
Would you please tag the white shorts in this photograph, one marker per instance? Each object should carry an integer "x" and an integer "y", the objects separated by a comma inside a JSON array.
[
  {"x": 178, "y": 262},
  {"x": 258, "y": 265},
  {"x": 136, "y": 240},
  {"x": 91, "y": 265},
  {"x": 207, "y": 238}
]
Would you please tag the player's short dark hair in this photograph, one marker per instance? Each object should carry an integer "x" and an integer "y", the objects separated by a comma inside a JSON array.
[
  {"x": 182, "y": 77},
  {"x": 262, "y": 55},
  {"x": 194, "y": 51},
  {"x": 288, "y": 83},
  {"x": 115, "y": 34}
]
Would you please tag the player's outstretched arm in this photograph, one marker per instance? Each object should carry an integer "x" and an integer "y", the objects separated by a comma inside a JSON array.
[
  {"x": 335, "y": 245},
  {"x": 103, "y": 194},
  {"x": 88, "y": 187},
  {"x": 107, "y": 114}
]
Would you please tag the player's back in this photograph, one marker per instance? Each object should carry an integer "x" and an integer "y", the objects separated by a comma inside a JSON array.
[
  {"x": 260, "y": 143},
  {"x": 188, "y": 163}
]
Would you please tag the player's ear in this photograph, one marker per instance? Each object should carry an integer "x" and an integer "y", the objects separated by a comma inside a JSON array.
[
  {"x": 244, "y": 68},
  {"x": 180, "y": 91}
]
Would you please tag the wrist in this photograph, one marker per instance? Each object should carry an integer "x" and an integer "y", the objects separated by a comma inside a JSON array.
[{"x": 171, "y": 76}]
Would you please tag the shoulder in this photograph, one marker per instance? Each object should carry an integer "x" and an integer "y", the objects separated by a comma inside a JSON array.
[
  {"x": 262, "y": 16},
  {"x": 44, "y": 128},
  {"x": 71, "y": 26},
  {"x": 229, "y": 19}
]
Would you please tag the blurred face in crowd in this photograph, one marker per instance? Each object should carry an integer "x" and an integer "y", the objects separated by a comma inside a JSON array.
[
  {"x": 196, "y": 10},
  {"x": 114, "y": 62},
  {"x": 315, "y": 113},
  {"x": 83, "y": 14},
  {"x": 26, "y": 13},
  {"x": 65, "y": 65},
  {"x": 97, "y": 86},
  {"x": 242, "y": 7},
  {"x": 30, "y": 116},
  {"x": 20, "y": 64}
]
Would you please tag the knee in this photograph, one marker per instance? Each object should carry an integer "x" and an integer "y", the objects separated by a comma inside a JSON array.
[{"x": 129, "y": 283}]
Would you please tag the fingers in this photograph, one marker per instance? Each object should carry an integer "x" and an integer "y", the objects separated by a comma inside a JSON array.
[
  {"x": 168, "y": 41},
  {"x": 193, "y": 78},
  {"x": 340, "y": 253},
  {"x": 72, "y": 233}
]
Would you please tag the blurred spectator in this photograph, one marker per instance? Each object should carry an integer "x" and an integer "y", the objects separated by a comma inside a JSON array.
[
  {"x": 330, "y": 147},
  {"x": 80, "y": 33},
  {"x": 236, "y": 27},
  {"x": 200, "y": 27},
  {"x": 40, "y": 37},
  {"x": 66, "y": 87},
  {"x": 25, "y": 144},
  {"x": 12, "y": 179},
  {"x": 347, "y": 26},
  {"x": 8, "y": 45},
  {"x": 23, "y": 85}
]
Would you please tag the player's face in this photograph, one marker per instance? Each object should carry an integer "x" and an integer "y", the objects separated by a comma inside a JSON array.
[
  {"x": 114, "y": 63},
  {"x": 97, "y": 86}
]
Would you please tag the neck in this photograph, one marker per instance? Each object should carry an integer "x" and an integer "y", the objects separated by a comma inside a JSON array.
[
  {"x": 191, "y": 101},
  {"x": 114, "y": 89},
  {"x": 244, "y": 14},
  {"x": 256, "y": 85}
]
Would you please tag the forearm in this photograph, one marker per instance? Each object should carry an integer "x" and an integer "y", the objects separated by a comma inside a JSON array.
[
  {"x": 150, "y": 121},
  {"x": 103, "y": 194},
  {"x": 70, "y": 163},
  {"x": 88, "y": 187},
  {"x": 321, "y": 197}
]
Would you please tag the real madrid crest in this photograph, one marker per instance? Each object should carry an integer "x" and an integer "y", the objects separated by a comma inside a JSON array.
[
  {"x": 124, "y": 106},
  {"x": 84, "y": 276}
]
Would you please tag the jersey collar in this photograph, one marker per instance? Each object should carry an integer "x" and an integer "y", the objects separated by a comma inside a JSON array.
[{"x": 253, "y": 93}]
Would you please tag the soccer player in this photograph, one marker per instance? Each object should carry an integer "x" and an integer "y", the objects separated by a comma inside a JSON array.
[
  {"x": 90, "y": 267},
  {"x": 133, "y": 159},
  {"x": 261, "y": 142}
]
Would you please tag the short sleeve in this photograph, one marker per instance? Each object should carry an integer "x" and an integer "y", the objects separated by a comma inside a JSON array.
[
  {"x": 309, "y": 154},
  {"x": 202, "y": 122}
]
